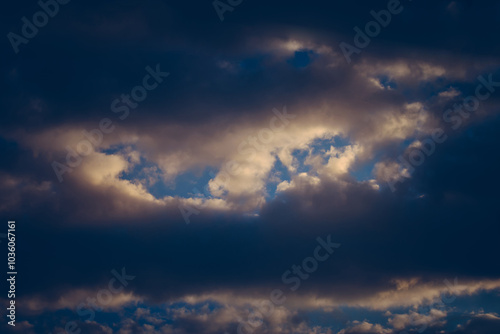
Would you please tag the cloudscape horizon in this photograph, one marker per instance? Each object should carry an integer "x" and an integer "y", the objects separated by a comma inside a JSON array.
[{"x": 250, "y": 167}]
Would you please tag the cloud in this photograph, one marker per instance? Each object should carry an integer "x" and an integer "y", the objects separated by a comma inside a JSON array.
[
  {"x": 365, "y": 327},
  {"x": 324, "y": 173},
  {"x": 481, "y": 323},
  {"x": 420, "y": 321}
]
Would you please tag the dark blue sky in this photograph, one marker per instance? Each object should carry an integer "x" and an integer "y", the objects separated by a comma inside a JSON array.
[{"x": 172, "y": 172}]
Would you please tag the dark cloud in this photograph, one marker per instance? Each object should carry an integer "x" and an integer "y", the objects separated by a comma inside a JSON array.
[{"x": 225, "y": 79}]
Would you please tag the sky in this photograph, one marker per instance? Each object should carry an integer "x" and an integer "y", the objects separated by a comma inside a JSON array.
[{"x": 250, "y": 167}]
